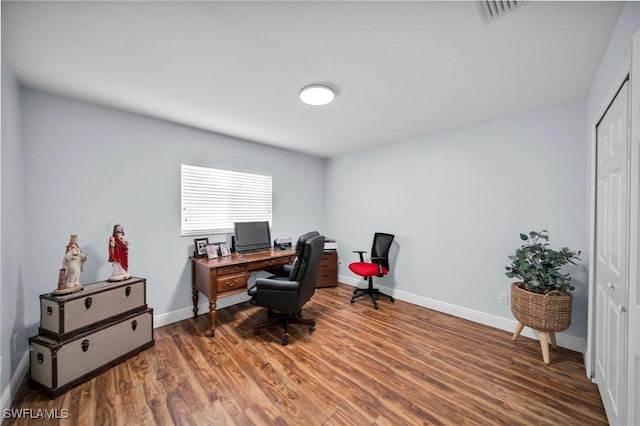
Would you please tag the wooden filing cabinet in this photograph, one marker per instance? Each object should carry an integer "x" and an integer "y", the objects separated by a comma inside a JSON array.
[
  {"x": 327, "y": 275},
  {"x": 85, "y": 333}
]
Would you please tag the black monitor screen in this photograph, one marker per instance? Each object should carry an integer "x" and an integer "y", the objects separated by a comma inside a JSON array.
[{"x": 252, "y": 236}]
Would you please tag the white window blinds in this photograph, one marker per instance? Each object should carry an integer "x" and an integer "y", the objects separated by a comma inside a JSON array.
[{"x": 213, "y": 199}]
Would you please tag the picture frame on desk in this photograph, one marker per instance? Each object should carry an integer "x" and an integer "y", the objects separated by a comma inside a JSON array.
[
  {"x": 200, "y": 247},
  {"x": 212, "y": 251},
  {"x": 224, "y": 249}
]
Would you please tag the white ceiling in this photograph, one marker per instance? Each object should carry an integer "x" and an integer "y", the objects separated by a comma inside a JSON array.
[{"x": 402, "y": 69}]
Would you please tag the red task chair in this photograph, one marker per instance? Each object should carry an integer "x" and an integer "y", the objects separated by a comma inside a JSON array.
[{"x": 378, "y": 267}]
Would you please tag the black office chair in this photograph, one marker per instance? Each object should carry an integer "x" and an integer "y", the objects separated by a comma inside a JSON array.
[
  {"x": 284, "y": 298},
  {"x": 379, "y": 267},
  {"x": 289, "y": 271}
]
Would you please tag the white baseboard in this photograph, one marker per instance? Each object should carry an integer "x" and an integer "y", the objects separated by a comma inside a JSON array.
[
  {"x": 14, "y": 383},
  {"x": 573, "y": 343},
  {"x": 203, "y": 304},
  {"x": 203, "y": 307},
  {"x": 563, "y": 340}
]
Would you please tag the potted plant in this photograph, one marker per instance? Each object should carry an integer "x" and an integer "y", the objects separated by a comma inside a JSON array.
[{"x": 541, "y": 299}]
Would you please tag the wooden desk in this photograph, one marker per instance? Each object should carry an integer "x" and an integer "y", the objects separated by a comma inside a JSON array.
[{"x": 224, "y": 276}]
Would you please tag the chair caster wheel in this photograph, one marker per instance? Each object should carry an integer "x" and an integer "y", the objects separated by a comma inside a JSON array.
[
  {"x": 285, "y": 340},
  {"x": 353, "y": 300},
  {"x": 376, "y": 307},
  {"x": 392, "y": 299},
  {"x": 312, "y": 328}
]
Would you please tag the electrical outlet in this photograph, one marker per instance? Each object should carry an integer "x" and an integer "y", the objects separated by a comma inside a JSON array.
[{"x": 503, "y": 299}]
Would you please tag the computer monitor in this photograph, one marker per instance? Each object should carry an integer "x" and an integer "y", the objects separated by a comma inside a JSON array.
[{"x": 252, "y": 236}]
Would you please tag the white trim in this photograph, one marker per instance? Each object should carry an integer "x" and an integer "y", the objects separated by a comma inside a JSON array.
[
  {"x": 563, "y": 340},
  {"x": 633, "y": 391},
  {"x": 203, "y": 304},
  {"x": 589, "y": 354},
  {"x": 203, "y": 307},
  {"x": 14, "y": 383},
  {"x": 566, "y": 341}
]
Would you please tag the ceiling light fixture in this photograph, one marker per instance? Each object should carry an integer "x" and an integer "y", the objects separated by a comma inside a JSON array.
[{"x": 317, "y": 94}]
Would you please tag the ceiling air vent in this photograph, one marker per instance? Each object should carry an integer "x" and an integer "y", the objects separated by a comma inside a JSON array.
[{"x": 490, "y": 10}]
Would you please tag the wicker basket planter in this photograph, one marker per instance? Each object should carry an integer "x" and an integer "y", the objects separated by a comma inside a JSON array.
[{"x": 549, "y": 312}]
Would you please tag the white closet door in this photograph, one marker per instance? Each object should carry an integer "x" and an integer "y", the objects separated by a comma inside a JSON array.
[
  {"x": 612, "y": 242},
  {"x": 633, "y": 400}
]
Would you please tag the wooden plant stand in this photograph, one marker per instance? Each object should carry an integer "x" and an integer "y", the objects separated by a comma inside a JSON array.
[{"x": 544, "y": 340}]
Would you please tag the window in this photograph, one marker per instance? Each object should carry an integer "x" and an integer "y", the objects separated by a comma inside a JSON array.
[{"x": 213, "y": 199}]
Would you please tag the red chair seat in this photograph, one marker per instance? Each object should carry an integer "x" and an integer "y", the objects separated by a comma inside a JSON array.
[{"x": 366, "y": 269}]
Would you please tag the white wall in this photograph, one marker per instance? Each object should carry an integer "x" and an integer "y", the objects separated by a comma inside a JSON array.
[
  {"x": 13, "y": 248},
  {"x": 457, "y": 202},
  {"x": 87, "y": 166}
]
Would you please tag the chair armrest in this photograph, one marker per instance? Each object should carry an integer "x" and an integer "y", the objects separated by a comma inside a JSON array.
[
  {"x": 279, "y": 295},
  {"x": 273, "y": 284},
  {"x": 360, "y": 252},
  {"x": 287, "y": 269}
]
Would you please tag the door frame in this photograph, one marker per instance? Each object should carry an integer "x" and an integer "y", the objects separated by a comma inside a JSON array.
[
  {"x": 633, "y": 411},
  {"x": 623, "y": 74}
]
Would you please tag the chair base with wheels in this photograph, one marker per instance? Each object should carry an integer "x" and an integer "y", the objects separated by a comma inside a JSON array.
[
  {"x": 284, "y": 319},
  {"x": 371, "y": 292}
]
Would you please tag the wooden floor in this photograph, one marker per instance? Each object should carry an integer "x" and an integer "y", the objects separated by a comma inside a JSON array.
[{"x": 399, "y": 365}]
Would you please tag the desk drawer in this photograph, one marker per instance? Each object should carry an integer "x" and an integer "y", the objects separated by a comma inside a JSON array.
[
  {"x": 232, "y": 269},
  {"x": 231, "y": 282},
  {"x": 271, "y": 263}
]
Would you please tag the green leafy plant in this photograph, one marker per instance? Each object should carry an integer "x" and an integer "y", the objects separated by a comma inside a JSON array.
[{"x": 538, "y": 266}]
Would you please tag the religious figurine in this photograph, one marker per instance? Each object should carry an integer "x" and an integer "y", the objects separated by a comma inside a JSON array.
[
  {"x": 119, "y": 254},
  {"x": 72, "y": 265}
]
